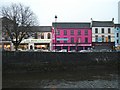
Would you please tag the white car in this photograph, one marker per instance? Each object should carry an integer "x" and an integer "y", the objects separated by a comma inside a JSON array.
[{"x": 63, "y": 50}]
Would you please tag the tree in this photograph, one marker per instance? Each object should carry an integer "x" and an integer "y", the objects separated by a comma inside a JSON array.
[{"x": 17, "y": 20}]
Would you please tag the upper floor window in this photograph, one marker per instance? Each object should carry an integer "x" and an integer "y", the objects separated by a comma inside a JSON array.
[
  {"x": 42, "y": 35},
  {"x": 48, "y": 35},
  {"x": 72, "y": 32},
  {"x": 58, "y": 32},
  {"x": 117, "y": 34},
  {"x": 96, "y": 30},
  {"x": 102, "y": 30},
  {"x": 79, "y": 32},
  {"x": 96, "y": 38},
  {"x": 109, "y": 38},
  {"x": 86, "y": 32},
  {"x": 72, "y": 40},
  {"x": 65, "y": 32},
  {"x": 117, "y": 41},
  {"x": 86, "y": 40},
  {"x": 58, "y": 41},
  {"x": 79, "y": 40},
  {"x": 36, "y": 36},
  {"x": 65, "y": 40},
  {"x": 109, "y": 30},
  {"x": 103, "y": 38}
]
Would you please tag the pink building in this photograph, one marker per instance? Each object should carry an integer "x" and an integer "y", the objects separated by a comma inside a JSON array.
[{"x": 71, "y": 36}]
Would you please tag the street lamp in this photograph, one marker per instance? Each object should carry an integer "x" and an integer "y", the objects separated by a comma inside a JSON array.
[{"x": 55, "y": 30}]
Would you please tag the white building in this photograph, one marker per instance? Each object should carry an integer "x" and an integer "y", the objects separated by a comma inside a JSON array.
[
  {"x": 39, "y": 37},
  {"x": 103, "y": 36}
]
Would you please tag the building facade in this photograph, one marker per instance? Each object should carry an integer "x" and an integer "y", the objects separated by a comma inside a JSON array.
[
  {"x": 119, "y": 12},
  {"x": 103, "y": 36},
  {"x": 5, "y": 43},
  {"x": 117, "y": 36},
  {"x": 38, "y": 37},
  {"x": 71, "y": 36}
]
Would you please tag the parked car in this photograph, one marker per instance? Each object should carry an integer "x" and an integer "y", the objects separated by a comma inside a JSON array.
[
  {"x": 85, "y": 51},
  {"x": 72, "y": 51},
  {"x": 63, "y": 50}
]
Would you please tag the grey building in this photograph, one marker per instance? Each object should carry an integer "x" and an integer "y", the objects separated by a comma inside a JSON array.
[{"x": 119, "y": 12}]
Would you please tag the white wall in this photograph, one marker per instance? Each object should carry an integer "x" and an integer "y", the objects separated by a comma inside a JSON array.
[{"x": 105, "y": 33}]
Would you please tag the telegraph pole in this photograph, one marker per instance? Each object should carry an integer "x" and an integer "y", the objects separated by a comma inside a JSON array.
[{"x": 55, "y": 30}]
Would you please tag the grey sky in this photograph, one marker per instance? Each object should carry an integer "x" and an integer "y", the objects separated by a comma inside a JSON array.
[{"x": 70, "y": 10}]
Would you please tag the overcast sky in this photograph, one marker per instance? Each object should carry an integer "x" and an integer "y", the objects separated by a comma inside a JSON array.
[{"x": 70, "y": 10}]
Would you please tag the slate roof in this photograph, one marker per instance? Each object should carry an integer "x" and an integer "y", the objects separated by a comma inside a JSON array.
[
  {"x": 71, "y": 24},
  {"x": 39, "y": 29},
  {"x": 36, "y": 29},
  {"x": 117, "y": 25},
  {"x": 102, "y": 24}
]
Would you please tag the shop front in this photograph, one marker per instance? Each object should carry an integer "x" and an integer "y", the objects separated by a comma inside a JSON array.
[{"x": 36, "y": 44}]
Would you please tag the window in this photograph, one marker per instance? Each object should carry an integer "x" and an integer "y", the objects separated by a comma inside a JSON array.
[
  {"x": 48, "y": 35},
  {"x": 72, "y": 40},
  {"x": 102, "y": 30},
  {"x": 65, "y": 40},
  {"x": 96, "y": 38},
  {"x": 103, "y": 38},
  {"x": 79, "y": 32},
  {"x": 42, "y": 35},
  {"x": 109, "y": 38},
  {"x": 96, "y": 30},
  {"x": 58, "y": 41},
  {"x": 36, "y": 36},
  {"x": 65, "y": 32},
  {"x": 72, "y": 32},
  {"x": 109, "y": 30},
  {"x": 86, "y": 40},
  {"x": 117, "y": 34},
  {"x": 117, "y": 41},
  {"x": 86, "y": 32},
  {"x": 58, "y": 32},
  {"x": 79, "y": 40}
]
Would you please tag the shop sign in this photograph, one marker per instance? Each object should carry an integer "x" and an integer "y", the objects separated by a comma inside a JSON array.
[
  {"x": 62, "y": 39},
  {"x": 36, "y": 41}
]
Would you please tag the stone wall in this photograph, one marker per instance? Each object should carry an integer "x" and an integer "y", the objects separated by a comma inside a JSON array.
[{"x": 51, "y": 61}]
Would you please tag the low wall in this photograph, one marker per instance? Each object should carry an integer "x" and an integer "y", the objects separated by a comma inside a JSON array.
[{"x": 42, "y": 61}]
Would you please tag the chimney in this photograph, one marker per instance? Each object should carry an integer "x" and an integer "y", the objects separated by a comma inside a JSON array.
[
  {"x": 113, "y": 19},
  {"x": 91, "y": 19}
]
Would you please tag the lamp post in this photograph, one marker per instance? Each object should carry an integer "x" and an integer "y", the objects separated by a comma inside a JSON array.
[{"x": 55, "y": 30}]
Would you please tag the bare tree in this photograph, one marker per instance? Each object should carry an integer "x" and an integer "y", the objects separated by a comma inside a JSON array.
[{"x": 19, "y": 18}]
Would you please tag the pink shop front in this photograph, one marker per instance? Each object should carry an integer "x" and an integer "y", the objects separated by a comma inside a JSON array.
[{"x": 70, "y": 47}]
